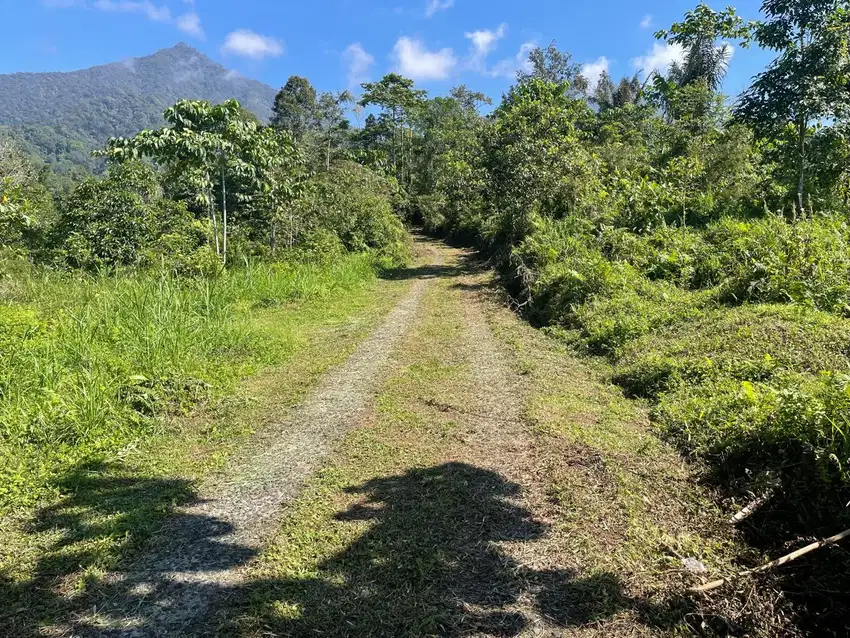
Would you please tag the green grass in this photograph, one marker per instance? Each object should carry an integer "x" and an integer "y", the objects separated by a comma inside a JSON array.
[
  {"x": 738, "y": 336},
  {"x": 88, "y": 364},
  {"x": 240, "y": 351},
  {"x": 419, "y": 527},
  {"x": 357, "y": 550}
]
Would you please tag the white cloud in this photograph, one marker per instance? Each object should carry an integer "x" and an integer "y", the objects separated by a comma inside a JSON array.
[
  {"x": 155, "y": 12},
  {"x": 434, "y": 6},
  {"x": 190, "y": 23},
  {"x": 358, "y": 62},
  {"x": 248, "y": 44},
  {"x": 592, "y": 70},
  {"x": 415, "y": 61},
  {"x": 509, "y": 67},
  {"x": 659, "y": 58},
  {"x": 646, "y": 22},
  {"x": 483, "y": 43}
]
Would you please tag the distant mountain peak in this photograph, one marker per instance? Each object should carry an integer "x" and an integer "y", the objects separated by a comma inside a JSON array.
[{"x": 80, "y": 110}]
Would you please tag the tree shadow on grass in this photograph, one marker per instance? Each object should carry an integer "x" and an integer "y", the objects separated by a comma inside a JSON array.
[
  {"x": 430, "y": 564},
  {"x": 104, "y": 517}
]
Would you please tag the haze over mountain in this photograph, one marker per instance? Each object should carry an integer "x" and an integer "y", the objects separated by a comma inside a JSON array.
[{"x": 62, "y": 117}]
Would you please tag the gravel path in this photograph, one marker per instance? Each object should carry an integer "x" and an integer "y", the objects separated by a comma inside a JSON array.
[{"x": 174, "y": 587}]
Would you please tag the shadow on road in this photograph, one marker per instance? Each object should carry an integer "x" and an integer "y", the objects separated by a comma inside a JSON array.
[
  {"x": 104, "y": 511},
  {"x": 430, "y": 564}
]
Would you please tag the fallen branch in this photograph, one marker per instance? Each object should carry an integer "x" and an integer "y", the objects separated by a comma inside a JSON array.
[
  {"x": 832, "y": 540},
  {"x": 752, "y": 508}
]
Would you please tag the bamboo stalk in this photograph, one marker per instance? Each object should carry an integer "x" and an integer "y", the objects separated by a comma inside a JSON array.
[
  {"x": 753, "y": 507},
  {"x": 832, "y": 540}
]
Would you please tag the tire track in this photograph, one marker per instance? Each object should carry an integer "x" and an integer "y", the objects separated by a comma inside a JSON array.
[{"x": 200, "y": 555}]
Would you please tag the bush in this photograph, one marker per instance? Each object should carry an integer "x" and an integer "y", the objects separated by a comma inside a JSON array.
[
  {"x": 637, "y": 307},
  {"x": 353, "y": 203},
  {"x": 773, "y": 260},
  {"x": 790, "y": 426},
  {"x": 556, "y": 261},
  {"x": 679, "y": 255},
  {"x": 124, "y": 220}
]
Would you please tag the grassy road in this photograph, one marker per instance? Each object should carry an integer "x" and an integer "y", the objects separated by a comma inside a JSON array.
[{"x": 428, "y": 464}]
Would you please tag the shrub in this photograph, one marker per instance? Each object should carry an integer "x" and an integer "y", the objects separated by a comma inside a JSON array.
[
  {"x": 123, "y": 220},
  {"x": 792, "y": 423},
  {"x": 559, "y": 268},
  {"x": 636, "y": 308},
  {"x": 679, "y": 255},
  {"x": 354, "y": 203},
  {"x": 773, "y": 260}
]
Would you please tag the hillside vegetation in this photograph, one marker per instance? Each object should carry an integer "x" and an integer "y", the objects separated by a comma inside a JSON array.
[
  {"x": 62, "y": 117},
  {"x": 702, "y": 249}
]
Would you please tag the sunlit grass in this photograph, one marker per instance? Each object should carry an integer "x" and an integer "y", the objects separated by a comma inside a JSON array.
[{"x": 88, "y": 364}]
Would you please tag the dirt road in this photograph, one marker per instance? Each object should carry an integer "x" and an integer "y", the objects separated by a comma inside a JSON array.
[{"x": 459, "y": 474}]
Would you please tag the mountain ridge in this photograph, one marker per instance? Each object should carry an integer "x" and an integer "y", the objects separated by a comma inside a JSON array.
[{"x": 63, "y": 115}]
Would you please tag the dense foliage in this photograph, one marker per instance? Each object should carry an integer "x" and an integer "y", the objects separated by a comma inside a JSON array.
[{"x": 699, "y": 243}]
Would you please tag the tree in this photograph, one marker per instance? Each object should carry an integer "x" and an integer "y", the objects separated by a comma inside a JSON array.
[
  {"x": 628, "y": 91},
  {"x": 607, "y": 95},
  {"x": 294, "y": 107},
  {"x": 277, "y": 183},
  {"x": 603, "y": 94},
  {"x": 24, "y": 200},
  {"x": 702, "y": 34},
  {"x": 555, "y": 67},
  {"x": 207, "y": 146},
  {"x": 536, "y": 161},
  {"x": 450, "y": 128},
  {"x": 808, "y": 81},
  {"x": 331, "y": 121},
  {"x": 399, "y": 100}
]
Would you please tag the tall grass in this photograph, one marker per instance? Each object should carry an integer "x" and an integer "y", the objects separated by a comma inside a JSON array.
[
  {"x": 738, "y": 333},
  {"x": 87, "y": 363}
]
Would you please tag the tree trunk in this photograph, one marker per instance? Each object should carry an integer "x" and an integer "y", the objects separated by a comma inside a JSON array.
[
  {"x": 224, "y": 215},
  {"x": 801, "y": 150},
  {"x": 395, "y": 135},
  {"x": 214, "y": 217},
  {"x": 328, "y": 162},
  {"x": 801, "y": 134}
]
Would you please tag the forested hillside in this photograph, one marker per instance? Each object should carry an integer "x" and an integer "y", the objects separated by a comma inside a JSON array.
[{"x": 62, "y": 117}]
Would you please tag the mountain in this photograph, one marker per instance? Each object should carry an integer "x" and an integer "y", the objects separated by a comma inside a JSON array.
[{"x": 62, "y": 117}]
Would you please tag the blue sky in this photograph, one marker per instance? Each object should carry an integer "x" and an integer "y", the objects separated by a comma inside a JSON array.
[{"x": 340, "y": 43}]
